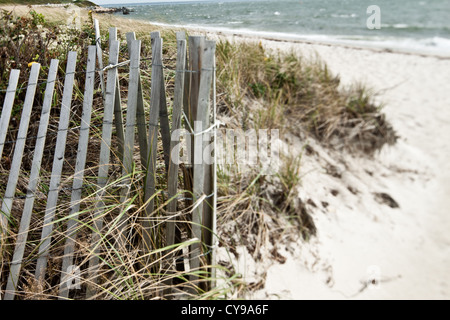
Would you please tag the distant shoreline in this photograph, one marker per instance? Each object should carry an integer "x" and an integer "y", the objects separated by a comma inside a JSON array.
[{"x": 301, "y": 39}]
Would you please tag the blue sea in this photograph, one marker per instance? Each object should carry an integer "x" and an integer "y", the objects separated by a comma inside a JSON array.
[{"x": 413, "y": 25}]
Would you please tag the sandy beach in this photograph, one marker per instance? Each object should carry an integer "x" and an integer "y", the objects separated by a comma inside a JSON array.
[
  {"x": 366, "y": 247},
  {"x": 406, "y": 249}
]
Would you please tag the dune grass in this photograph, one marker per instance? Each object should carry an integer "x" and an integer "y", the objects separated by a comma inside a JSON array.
[{"x": 298, "y": 95}]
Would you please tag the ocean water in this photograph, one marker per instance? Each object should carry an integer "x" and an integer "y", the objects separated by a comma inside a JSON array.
[{"x": 416, "y": 25}]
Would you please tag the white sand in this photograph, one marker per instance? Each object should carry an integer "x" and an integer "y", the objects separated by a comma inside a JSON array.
[{"x": 406, "y": 250}]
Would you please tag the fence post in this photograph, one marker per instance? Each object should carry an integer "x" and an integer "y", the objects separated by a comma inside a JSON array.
[{"x": 202, "y": 123}]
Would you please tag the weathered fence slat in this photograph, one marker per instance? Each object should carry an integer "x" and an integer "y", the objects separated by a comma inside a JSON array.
[
  {"x": 131, "y": 112},
  {"x": 163, "y": 115},
  {"x": 118, "y": 114},
  {"x": 7, "y": 106},
  {"x": 181, "y": 35},
  {"x": 140, "y": 112},
  {"x": 99, "y": 55},
  {"x": 196, "y": 48},
  {"x": 19, "y": 148},
  {"x": 202, "y": 123},
  {"x": 58, "y": 161},
  {"x": 155, "y": 101},
  {"x": 79, "y": 172},
  {"x": 22, "y": 236},
  {"x": 214, "y": 239},
  {"x": 210, "y": 182},
  {"x": 127, "y": 169},
  {"x": 196, "y": 45},
  {"x": 172, "y": 183},
  {"x": 104, "y": 162},
  {"x": 187, "y": 167}
]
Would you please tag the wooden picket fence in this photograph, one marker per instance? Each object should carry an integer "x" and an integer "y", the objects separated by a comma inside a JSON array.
[{"x": 194, "y": 99}]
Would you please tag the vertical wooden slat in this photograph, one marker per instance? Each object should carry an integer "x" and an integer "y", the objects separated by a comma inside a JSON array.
[
  {"x": 208, "y": 214},
  {"x": 214, "y": 184},
  {"x": 99, "y": 55},
  {"x": 181, "y": 35},
  {"x": 112, "y": 35},
  {"x": 79, "y": 169},
  {"x": 104, "y": 162},
  {"x": 131, "y": 107},
  {"x": 130, "y": 128},
  {"x": 24, "y": 227},
  {"x": 202, "y": 123},
  {"x": 155, "y": 101},
  {"x": 196, "y": 47},
  {"x": 187, "y": 167},
  {"x": 172, "y": 181},
  {"x": 176, "y": 123},
  {"x": 163, "y": 115},
  {"x": 140, "y": 112},
  {"x": 58, "y": 162},
  {"x": 18, "y": 150},
  {"x": 7, "y": 106},
  {"x": 118, "y": 114}
]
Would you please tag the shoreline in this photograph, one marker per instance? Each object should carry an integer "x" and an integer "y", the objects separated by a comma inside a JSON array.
[
  {"x": 375, "y": 46},
  {"x": 330, "y": 43},
  {"x": 391, "y": 45},
  {"x": 322, "y": 40}
]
